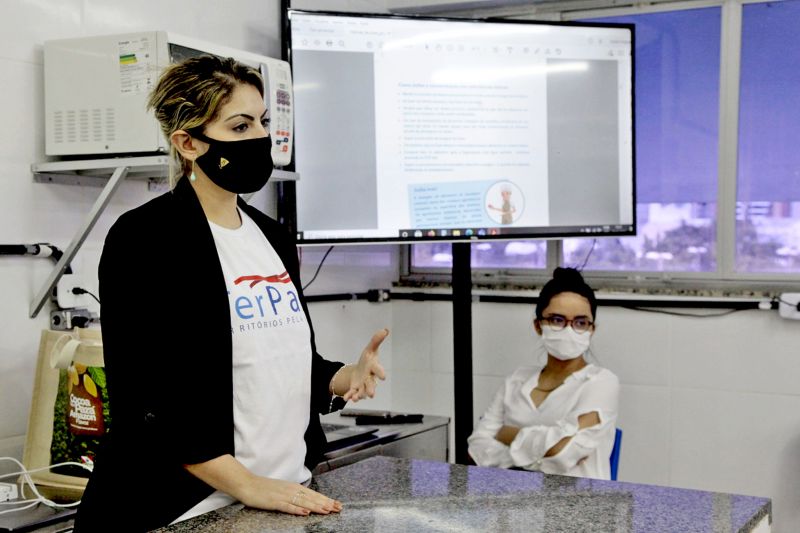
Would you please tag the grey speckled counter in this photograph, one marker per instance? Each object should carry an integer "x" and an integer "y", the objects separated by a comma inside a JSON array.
[{"x": 390, "y": 494}]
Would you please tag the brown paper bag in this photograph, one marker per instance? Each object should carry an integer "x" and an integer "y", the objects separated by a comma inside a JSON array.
[{"x": 69, "y": 411}]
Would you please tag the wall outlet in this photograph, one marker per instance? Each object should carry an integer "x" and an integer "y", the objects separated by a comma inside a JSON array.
[
  {"x": 8, "y": 492},
  {"x": 788, "y": 307},
  {"x": 64, "y": 296},
  {"x": 66, "y": 319}
]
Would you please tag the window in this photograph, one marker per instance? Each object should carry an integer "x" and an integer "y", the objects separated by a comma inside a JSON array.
[
  {"x": 681, "y": 229},
  {"x": 677, "y": 101},
  {"x": 768, "y": 183},
  {"x": 677, "y": 118},
  {"x": 494, "y": 254}
]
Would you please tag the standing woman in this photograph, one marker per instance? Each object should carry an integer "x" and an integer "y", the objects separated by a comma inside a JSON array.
[
  {"x": 558, "y": 418},
  {"x": 214, "y": 381}
]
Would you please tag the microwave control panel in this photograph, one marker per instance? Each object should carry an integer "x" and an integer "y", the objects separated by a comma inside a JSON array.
[{"x": 278, "y": 80}]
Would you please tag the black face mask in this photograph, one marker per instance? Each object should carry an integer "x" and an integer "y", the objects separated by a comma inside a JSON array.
[{"x": 237, "y": 166}]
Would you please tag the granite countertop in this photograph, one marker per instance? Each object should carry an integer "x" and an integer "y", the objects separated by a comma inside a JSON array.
[{"x": 391, "y": 494}]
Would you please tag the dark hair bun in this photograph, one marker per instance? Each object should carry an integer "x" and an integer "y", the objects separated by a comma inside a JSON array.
[
  {"x": 568, "y": 274},
  {"x": 565, "y": 279}
]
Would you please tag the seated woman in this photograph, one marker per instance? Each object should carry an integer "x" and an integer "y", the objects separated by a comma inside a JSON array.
[{"x": 560, "y": 418}]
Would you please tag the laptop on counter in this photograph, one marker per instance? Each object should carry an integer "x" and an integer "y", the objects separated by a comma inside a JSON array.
[
  {"x": 339, "y": 435},
  {"x": 34, "y": 518}
]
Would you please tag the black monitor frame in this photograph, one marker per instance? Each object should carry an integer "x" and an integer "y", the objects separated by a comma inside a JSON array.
[{"x": 287, "y": 196}]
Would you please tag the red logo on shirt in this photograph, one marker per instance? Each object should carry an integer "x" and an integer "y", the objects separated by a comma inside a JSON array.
[{"x": 255, "y": 280}]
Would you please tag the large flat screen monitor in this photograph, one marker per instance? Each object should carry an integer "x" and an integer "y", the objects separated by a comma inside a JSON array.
[{"x": 427, "y": 129}]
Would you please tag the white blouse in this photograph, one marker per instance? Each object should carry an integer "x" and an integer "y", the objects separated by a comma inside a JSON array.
[{"x": 590, "y": 389}]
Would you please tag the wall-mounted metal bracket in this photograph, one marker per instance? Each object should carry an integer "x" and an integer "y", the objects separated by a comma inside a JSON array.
[{"x": 106, "y": 173}]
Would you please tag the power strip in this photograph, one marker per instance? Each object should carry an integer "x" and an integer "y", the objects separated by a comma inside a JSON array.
[
  {"x": 789, "y": 305},
  {"x": 8, "y": 491}
]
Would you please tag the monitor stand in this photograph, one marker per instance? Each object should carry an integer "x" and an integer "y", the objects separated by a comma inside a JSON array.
[{"x": 462, "y": 348}]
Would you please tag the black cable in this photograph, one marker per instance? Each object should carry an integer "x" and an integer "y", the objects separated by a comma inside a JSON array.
[
  {"x": 678, "y": 313},
  {"x": 588, "y": 255},
  {"x": 318, "y": 268},
  {"x": 80, "y": 290},
  {"x": 657, "y": 305},
  {"x": 778, "y": 299},
  {"x": 41, "y": 249},
  {"x": 13, "y": 249}
]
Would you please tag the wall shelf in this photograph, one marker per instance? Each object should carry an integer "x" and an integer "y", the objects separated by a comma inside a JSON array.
[
  {"x": 97, "y": 172},
  {"x": 106, "y": 173}
]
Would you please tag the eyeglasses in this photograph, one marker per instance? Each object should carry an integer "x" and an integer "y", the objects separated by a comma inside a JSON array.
[{"x": 580, "y": 323}]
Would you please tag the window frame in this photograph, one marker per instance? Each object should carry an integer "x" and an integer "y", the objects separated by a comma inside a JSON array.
[{"x": 725, "y": 278}]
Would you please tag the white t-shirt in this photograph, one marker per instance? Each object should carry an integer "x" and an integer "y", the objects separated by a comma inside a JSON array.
[
  {"x": 271, "y": 360},
  {"x": 591, "y": 388}
]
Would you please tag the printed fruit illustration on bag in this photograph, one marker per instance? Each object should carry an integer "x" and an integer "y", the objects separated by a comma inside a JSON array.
[{"x": 80, "y": 417}]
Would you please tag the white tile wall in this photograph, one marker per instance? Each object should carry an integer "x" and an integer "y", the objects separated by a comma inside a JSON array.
[
  {"x": 483, "y": 390},
  {"x": 640, "y": 359},
  {"x": 412, "y": 391},
  {"x": 247, "y": 24},
  {"x": 11, "y": 447},
  {"x": 425, "y": 392},
  {"x": 412, "y": 353},
  {"x": 747, "y": 443},
  {"x": 441, "y": 346},
  {"x": 644, "y": 417},
  {"x": 343, "y": 329},
  {"x": 752, "y": 351},
  {"x": 503, "y": 339},
  {"x": 442, "y": 402},
  {"x": 335, "y": 322},
  {"x": 22, "y": 137},
  {"x": 25, "y": 25}
]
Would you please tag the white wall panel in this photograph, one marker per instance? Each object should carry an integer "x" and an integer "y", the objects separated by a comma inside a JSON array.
[
  {"x": 740, "y": 443},
  {"x": 412, "y": 352},
  {"x": 748, "y": 351},
  {"x": 483, "y": 390},
  {"x": 442, "y": 337},
  {"x": 503, "y": 339},
  {"x": 634, "y": 344},
  {"x": 644, "y": 417},
  {"x": 412, "y": 391}
]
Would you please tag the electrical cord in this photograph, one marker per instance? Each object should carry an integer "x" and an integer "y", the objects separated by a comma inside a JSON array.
[
  {"x": 779, "y": 300},
  {"x": 40, "y": 249},
  {"x": 318, "y": 268},
  {"x": 26, "y": 480},
  {"x": 81, "y": 290},
  {"x": 588, "y": 255},
  {"x": 678, "y": 313}
]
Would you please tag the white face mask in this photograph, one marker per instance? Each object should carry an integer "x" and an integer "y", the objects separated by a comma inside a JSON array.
[{"x": 566, "y": 343}]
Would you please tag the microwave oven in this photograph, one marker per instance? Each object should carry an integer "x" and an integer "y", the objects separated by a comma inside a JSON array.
[{"x": 96, "y": 90}]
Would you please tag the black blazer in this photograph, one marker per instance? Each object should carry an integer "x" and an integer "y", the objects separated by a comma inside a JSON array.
[{"x": 167, "y": 345}]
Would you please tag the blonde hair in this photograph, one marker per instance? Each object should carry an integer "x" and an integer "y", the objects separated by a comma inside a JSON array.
[{"x": 189, "y": 95}]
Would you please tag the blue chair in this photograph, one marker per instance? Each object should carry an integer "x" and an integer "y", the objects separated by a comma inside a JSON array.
[{"x": 615, "y": 453}]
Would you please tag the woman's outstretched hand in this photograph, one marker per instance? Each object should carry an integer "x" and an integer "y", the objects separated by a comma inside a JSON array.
[
  {"x": 364, "y": 373},
  {"x": 288, "y": 497},
  {"x": 227, "y": 474}
]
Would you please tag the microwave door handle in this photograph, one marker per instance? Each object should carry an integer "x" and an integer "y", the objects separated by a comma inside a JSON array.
[{"x": 264, "y": 70}]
